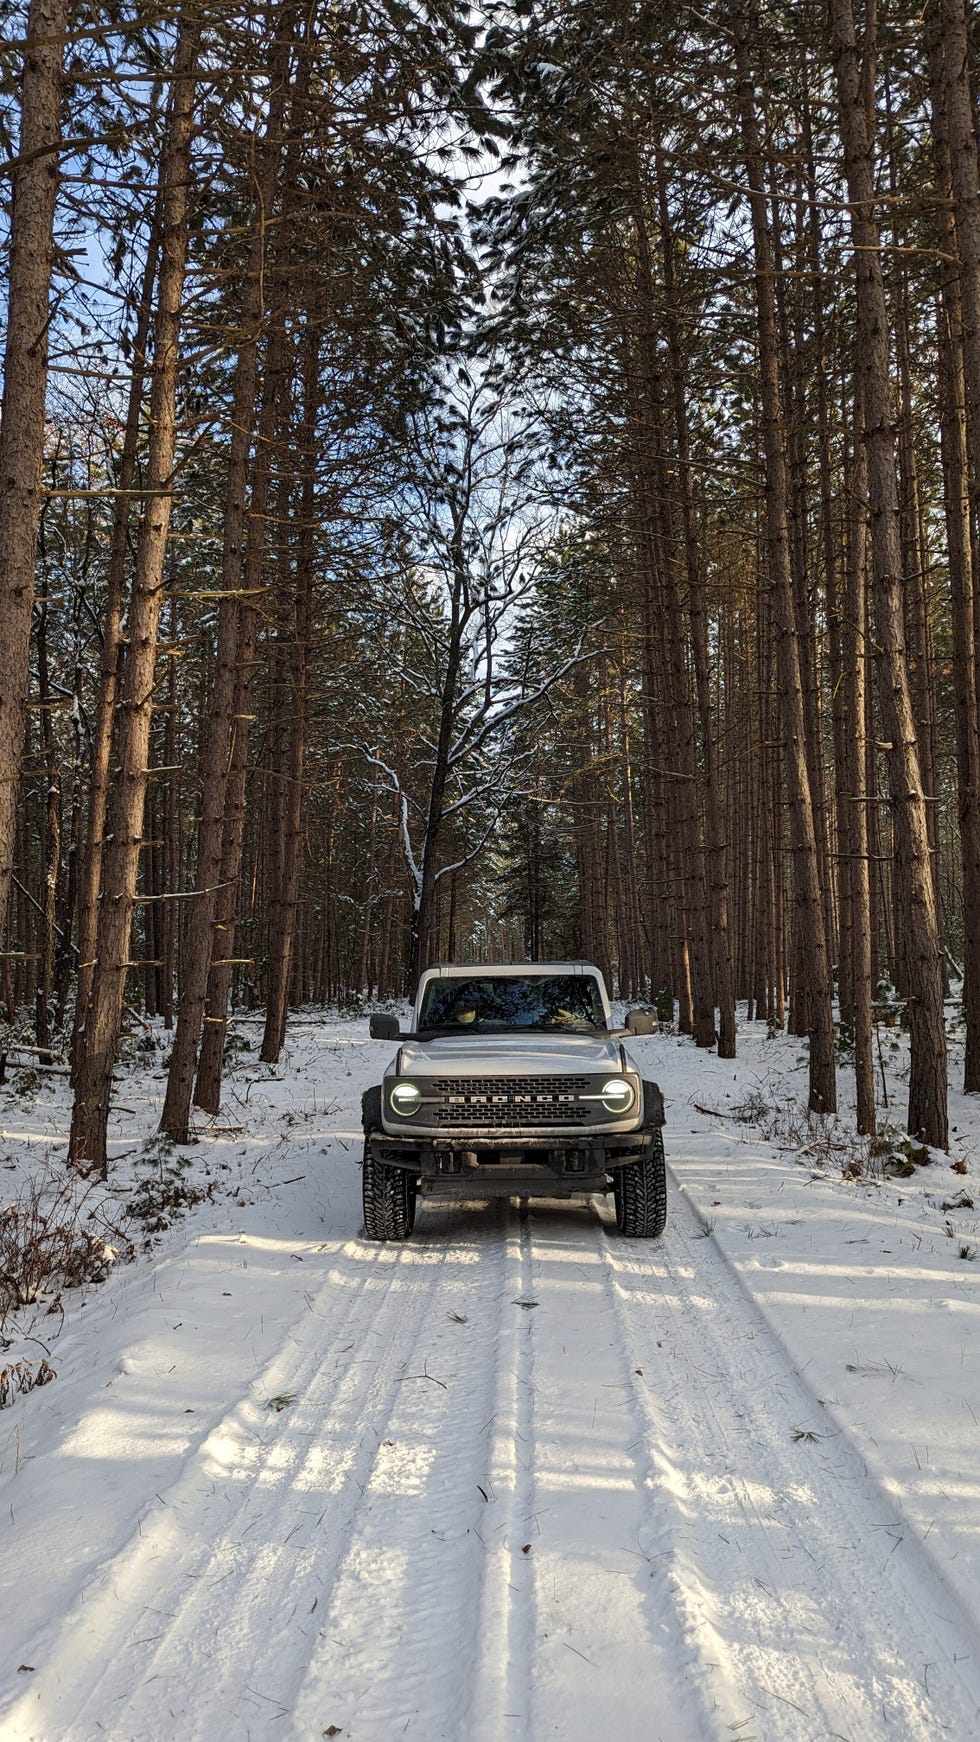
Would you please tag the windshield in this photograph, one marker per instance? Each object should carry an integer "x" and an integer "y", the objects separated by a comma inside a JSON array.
[{"x": 509, "y": 1004}]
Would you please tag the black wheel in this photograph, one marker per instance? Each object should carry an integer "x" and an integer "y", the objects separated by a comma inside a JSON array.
[
  {"x": 389, "y": 1195},
  {"x": 640, "y": 1194}
]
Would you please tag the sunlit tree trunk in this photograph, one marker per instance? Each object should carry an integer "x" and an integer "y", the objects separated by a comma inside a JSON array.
[
  {"x": 90, "y": 879},
  {"x": 219, "y": 719},
  {"x": 103, "y": 1016}
]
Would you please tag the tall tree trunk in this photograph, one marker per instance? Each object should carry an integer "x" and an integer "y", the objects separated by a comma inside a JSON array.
[
  {"x": 655, "y": 837},
  {"x": 172, "y": 829},
  {"x": 283, "y": 935},
  {"x": 50, "y": 773},
  {"x": 662, "y": 523},
  {"x": 593, "y": 927},
  {"x": 927, "y": 1114},
  {"x": 631, "y": 950},
  {"x": 207, "y": 1088},
  {"x": 90, "y": 880},
  {"x": 716, "y": 851},
  {"x": 852, "y": 796},
  {"x": 811, "y": 260},
  {"x": 25, "y": 374},
  {"x": 103, "y": 1017},
  {"x": 958, "y": 210},
  {"x": 809, "y": 895},
  {"x": 918, "y": 635},
  {"x": 219, "y": 718},
  {"x": 792, "y": 328},
  {"x": 423, "y": 913}
]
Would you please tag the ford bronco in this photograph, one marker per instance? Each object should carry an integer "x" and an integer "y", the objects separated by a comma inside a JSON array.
[{"x": 513, "y": 1082}]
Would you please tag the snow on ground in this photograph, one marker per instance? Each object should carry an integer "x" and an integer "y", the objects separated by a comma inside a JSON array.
[{"x": 519, "y": 1478}]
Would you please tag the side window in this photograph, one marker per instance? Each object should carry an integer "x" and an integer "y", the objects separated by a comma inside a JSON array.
[{"x": 598, "y": 1014}]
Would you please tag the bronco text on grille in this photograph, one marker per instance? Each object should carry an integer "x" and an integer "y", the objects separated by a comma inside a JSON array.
[{"x": 512, "y": 1100}]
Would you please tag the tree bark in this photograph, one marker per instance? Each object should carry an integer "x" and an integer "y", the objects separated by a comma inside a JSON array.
[
  {"x": 665, "y": 529},
  {"x": 283, "y": 929},
  {"x": 809, "y": 895},
  {"x": 207, "y": 1088},
  {"x": 853, "y": 797},
  {"x": 424, "y": 897},
  {"x": 50, "y": 773},
  {"x": 958, "y": 210},
  {"x": 25, "y": 374},
  {"x": 103, "y": 1016},
  {"x": 90, "y": 880},
  {"x": 716, "y": 847},
  {"x": 219, "y": 719},
  {"x": 927, "y": 1113}
]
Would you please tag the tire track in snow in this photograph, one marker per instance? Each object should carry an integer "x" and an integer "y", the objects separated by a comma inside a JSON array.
[
  {"x": 656, "y": 1555},
  {"x": 211, "y": 1607},
  {"x": 501, "y": 1692},
  {"x": 608, "y": 1655},
  {"x": 813, "y": 1613},
  {"x": 200, "y": 1532},
  {"x": 398, "y": 1643}
]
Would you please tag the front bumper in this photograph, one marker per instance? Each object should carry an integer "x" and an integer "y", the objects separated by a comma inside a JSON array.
[{"x": 467, "y": 1166}]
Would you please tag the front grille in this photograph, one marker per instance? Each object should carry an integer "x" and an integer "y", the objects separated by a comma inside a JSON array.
[{"x": 510, "y": 1101}]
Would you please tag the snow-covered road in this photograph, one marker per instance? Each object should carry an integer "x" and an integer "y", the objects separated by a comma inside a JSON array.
[{"x": 518, "y": 1478}]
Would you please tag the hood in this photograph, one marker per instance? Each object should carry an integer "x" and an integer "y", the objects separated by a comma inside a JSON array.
[{"x": 509, "y": 1055}]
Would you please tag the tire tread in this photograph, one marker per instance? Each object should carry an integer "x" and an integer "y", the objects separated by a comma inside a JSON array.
[
  {"x": 388, "y": 1196},
  {"x": 641, "y": 1195}
]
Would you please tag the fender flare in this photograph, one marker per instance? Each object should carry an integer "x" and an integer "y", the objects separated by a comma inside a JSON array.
[
  {"x": 371, "y": 1109},
  {"x": 653, "y": 1107}
]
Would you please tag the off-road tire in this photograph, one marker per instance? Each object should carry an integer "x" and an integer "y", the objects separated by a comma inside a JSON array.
[
  {"x": 640, "y": 1194},
  {"x": 388, "y": 1195}
]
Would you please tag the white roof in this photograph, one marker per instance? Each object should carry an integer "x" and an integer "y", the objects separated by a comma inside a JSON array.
[{"x": 450, "y": 970}]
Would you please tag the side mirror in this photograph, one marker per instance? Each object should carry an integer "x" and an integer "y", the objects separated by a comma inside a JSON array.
[
  {"x": 641, "y": 1022},
  {"x": 384, "y": 1028}
]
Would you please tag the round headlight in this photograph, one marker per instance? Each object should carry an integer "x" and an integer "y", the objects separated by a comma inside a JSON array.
[
  {"x": 617, "y": 1095},
  {"x": 405, "y": 1097}
]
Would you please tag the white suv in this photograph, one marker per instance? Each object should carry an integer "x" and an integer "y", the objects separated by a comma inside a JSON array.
[{"x": 514, "y": 1082}]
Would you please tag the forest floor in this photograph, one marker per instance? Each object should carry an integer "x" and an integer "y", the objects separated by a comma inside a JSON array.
[{"x": 518, "y": 1478}]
